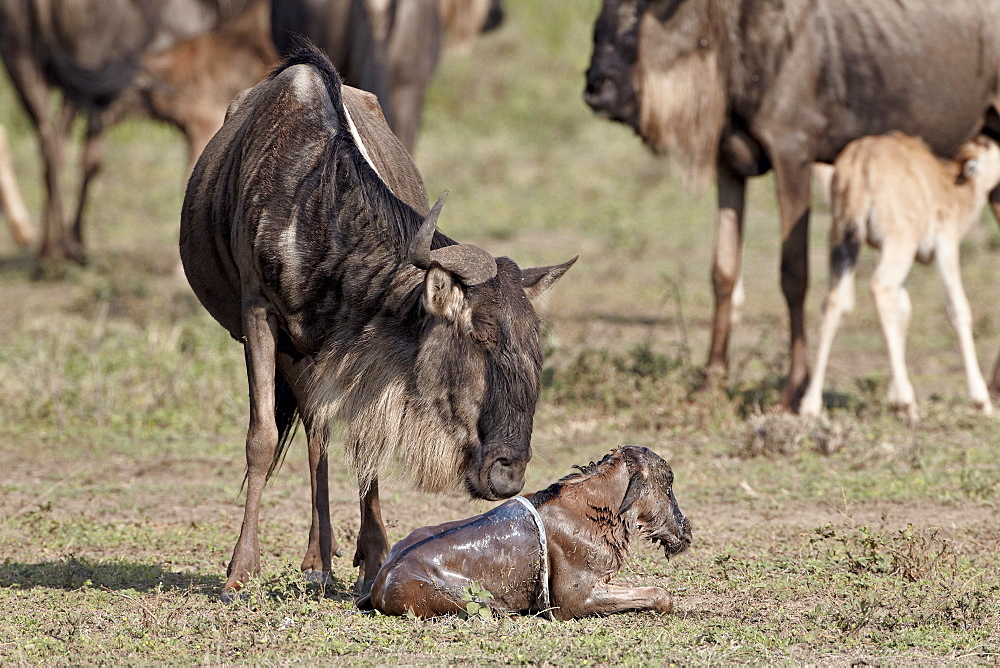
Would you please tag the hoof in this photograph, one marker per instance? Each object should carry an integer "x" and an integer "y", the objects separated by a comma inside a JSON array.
[
  {"x": 320, "y": 577},
  {"x": 230, "y": 596}
]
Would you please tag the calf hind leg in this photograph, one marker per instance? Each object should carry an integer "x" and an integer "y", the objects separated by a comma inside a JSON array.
[
  {"x": 839, "y": 300},
  {"x": 892, "y": 302}
]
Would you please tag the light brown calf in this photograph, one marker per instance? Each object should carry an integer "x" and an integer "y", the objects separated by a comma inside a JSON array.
[{"x": 893, "y": 193}]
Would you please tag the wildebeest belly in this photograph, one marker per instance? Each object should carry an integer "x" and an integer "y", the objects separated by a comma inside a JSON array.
[{"x": 499, "y": 550}]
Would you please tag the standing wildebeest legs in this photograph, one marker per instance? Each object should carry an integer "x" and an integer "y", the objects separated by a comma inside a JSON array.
[
  {"x": 321, "y": 547},
  {"x": 11, "y": 203},
  {"x": 260, "y": 330},
  {"x": 726, "y": 266},
  {"x": 93, "y": 159},
  {"x": 792, "y": 175},
  {"x": 373, "y": 543}
]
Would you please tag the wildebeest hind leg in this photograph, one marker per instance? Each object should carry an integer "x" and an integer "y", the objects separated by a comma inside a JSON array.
[
  {"x": 260, "y": 332},
  {"x": 322, "y": 546},
  {"x": 373, "y": 543}
]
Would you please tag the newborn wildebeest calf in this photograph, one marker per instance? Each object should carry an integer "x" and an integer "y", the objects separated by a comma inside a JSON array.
[{"x": 553, "y": 551}]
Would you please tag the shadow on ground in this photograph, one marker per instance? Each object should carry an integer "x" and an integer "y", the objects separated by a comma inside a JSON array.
[{"x": 74, "y": 573}]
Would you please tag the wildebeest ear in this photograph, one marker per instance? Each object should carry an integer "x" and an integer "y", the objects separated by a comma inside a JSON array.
[
  {"x": 537, "y": 281},
  {"x": 635, "y": 484},
  {"x": 443, "y": 296}
]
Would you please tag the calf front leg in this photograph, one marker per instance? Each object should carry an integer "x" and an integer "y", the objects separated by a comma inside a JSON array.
[
  {"x": 961, "y": 319},
  {"x": 610, "y": 599},
  {"x": 260, "y": 331},
  {"x": 373, "y": 543}
]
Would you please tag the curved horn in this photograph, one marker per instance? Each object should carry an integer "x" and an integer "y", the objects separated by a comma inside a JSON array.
[
  {"x": 470, "y": 263},
  {"x": 419, "y": 254}
]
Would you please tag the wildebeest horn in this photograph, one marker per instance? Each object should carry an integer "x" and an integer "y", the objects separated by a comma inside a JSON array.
[{"x": 470, "y": 263}]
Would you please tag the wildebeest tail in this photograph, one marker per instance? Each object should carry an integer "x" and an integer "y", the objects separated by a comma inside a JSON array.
[
  {"x": 286, "y": 416},
  {"x": 307, "y": 53}
]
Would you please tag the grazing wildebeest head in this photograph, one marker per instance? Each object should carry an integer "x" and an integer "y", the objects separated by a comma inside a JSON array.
[
  {"x": 655, "y": 68},
  {"x": 351, "y": 304},
  {"x": 735, "y": 88},
  {"x": 553, "y": 552}
]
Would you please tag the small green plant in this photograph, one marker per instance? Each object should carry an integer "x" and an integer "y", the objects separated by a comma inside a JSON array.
[{"x": 477, "y": 602}]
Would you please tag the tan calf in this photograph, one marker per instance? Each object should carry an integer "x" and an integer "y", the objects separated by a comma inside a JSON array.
[{"x": 892, "y": 192}]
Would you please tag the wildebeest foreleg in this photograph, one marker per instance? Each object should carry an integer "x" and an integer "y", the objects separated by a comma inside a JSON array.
[
  {"x": 373, "y": 543},
  {"x": 259, "y": 334},
  {"x": 726, "y": 267},
  {"x": 610, "y": 599},
  {"x": 321, "y": 544},
  {"x": 93, "y": 159},
  {"x": 792, "y": 175}
]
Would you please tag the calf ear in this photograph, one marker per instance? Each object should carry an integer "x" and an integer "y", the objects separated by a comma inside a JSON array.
[
  {"x": 537, "y": 281},
  {"x": 635, "y": 484},
  {"x": 443, "y": 295}
]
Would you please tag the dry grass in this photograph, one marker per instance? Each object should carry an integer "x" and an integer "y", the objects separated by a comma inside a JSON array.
[{"x": 123, "y": 408}]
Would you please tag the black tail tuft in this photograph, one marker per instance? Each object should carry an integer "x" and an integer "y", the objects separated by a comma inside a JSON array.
[{"x": 286, "y": 416}]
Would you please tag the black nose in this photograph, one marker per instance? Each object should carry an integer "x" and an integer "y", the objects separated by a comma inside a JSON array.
[{"x": 601, "y": 95}]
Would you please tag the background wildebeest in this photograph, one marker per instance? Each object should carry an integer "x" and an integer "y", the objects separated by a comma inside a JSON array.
[
  {"x": 388, "y": 47},
  {"x": 744, "y": 87},
  {"x": 91, "y": 51},
  {"x": 589, "y": 520},
  {"x": 11, "y": 204},
  {"x": 293, "y": 239}
]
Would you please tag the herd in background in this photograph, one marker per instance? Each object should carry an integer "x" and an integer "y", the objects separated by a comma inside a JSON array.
[
  {"x": 182, "y": 61},
  {"x": 730, "y": 90}
]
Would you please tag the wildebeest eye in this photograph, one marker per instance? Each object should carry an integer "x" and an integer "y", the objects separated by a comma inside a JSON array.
[{"x": 485, "y": 331}]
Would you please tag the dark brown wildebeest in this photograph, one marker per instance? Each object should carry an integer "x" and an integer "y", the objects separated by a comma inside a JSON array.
[
  {"x": 387, "y": 47},
  {"x": 349, "y": 302},
  {"x": 744, "y": 87},
  {"x": 552, "y": 552},
  {"x": 91, "y": 51}
]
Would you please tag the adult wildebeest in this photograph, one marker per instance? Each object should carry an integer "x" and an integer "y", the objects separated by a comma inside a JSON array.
[
  {"x": 349, "y": 302},
  {"x": 552, "y": 552},
  {"x": 742, "y": 87},
  {"x": 91, "y": 51},
  {"x": 388, "y": 47}
]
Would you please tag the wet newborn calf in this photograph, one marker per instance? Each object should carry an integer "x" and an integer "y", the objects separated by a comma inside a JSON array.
[{"x": 553, "y": 551}]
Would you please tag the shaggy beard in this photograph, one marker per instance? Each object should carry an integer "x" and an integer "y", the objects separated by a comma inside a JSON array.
[
  {"x": 682, "y": 113},
  {"x": 385, "y": 423}
]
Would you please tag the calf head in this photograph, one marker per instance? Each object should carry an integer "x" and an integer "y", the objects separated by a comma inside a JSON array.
[
  {"x": 479, "y": 360},
  {"x": 650, "y": 496},
  {"x": 979, "y": 159},
  {"x": 655, "y": 67}
]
